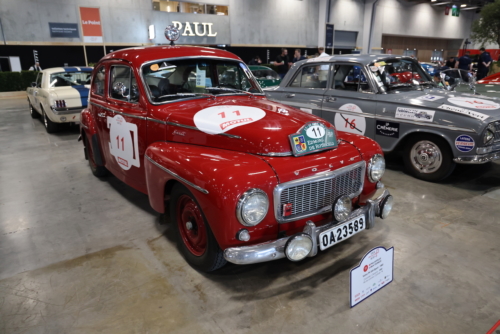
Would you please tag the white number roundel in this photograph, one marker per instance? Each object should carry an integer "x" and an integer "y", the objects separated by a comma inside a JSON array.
[
  {"x": 316, "y": 132},
  {"x": 471, "y": 102},
  {"x": 123, "y": 142},
  {"x": 219, "y": 119},
  {"x": 349, "y": 122}
]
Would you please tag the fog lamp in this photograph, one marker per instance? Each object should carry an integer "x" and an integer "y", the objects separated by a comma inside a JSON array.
[
  {"x": 243, "y": 235},
  {"x": 342, "y": 207},
  {"x": 298, "y": 247},
  {"x": 63, "y": 119},
  {"x": 386, "y": 206}
]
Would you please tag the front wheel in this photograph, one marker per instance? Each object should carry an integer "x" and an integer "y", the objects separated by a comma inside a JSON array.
[
  {"x": 429, "y": 158},
  {"x": 196, "y": 241},
  {"x": 50, "y": 126}
]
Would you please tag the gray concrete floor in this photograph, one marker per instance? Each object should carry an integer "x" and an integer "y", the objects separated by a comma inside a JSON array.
[{"x": 83, "y": 255}]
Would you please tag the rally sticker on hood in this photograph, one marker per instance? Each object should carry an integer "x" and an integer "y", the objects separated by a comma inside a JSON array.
[
  {"x": 349, "y": 122},
  {"x": 219, "y": 119},
  {"x": 464, "y": 143},
  {"x": 429, "y": 97},
  {"x": 470, "y": 102},
  {"x": 463, "y": 111},
  {"x": 422, "y": 115}
]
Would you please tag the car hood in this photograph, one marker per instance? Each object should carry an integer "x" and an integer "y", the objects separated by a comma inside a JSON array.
[
  {"x": 480, "y": 106},
  {"x": 75, "y": 96},
  {"x": 246, "y": 124}
]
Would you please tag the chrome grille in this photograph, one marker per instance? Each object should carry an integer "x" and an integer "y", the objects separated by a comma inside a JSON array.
[{"x": 314, "y": 195}]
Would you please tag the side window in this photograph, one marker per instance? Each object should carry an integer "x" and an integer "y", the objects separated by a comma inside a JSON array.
[
  {"x": 123, "y": 85},
  {"x": 311, "y": 76},
  {"x": 98, "y": 83},
  {"x": 39, "y": 80},
  {"x": 350, "y": 77}
]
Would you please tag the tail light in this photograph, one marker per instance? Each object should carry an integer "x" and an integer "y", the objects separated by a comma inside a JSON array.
[{"x": 60, "y": 104}]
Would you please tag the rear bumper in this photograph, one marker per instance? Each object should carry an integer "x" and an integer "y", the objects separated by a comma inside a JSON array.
[{"x": 275, "y": 250}]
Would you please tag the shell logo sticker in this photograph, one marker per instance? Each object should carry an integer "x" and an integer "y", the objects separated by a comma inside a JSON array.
[
  {"x": 215, "y": 120},
  {"x": 123, "y": 142},
  {"x": 471, "y": 102},
  {"x": 464, "y": 143},
  {"x": 349, "y": 122}
]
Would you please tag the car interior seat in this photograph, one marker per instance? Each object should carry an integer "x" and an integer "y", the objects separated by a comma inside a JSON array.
[{"x": 163, "y": 87}]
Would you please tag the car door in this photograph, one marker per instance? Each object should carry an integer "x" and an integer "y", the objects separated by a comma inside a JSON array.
[
  {"x": 349, "y": 102},
  {"x": 123, "y": 132},
  {"x": 306, "y": 89},
  {"x": 34, "y": 98}
]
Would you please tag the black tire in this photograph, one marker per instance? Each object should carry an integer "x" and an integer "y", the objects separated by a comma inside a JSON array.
[
  {"x": 33, "y": 112},
  {"x": 428, "y": 157},
  {"x": 50, "y": 126},
  {"x": 99, "y": 171},
  {"x": 212, "y": 257}
]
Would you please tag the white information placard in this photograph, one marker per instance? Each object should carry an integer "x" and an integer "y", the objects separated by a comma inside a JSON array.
[{"x": 373, "y": 273}]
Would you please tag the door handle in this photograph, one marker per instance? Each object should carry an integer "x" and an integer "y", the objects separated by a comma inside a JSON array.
[
  {"x": 290, "y": 95},
  {"x": 101, "y": 114},
  {"x": 331, "y": 99}
]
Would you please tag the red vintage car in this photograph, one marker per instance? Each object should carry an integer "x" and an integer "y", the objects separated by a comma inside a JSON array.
[{"x": 243, "y": 179}]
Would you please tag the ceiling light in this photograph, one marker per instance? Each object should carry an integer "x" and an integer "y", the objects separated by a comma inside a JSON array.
[
  {"x": 463, "y": 5},
  {"x": 433, "y": 0},
  {"x": 440, "y": 3}
]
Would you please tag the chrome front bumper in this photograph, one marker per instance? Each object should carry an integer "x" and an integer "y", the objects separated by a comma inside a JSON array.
[
  {"x": 275, "y": 250},
  {"x": 478, "y": 159}
]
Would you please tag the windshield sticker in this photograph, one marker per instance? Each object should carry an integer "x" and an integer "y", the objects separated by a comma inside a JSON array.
[
  {"x": 463, "y": 111},
  {"x": 123, "y": 142},
  {"x": 154, "y": 67},
  {"x": 415, "y": 114},
  {"x": 387, "y": 129},
  {"x": 349, "y": 122},
  {"x": 309, "y": 111},
  {"x": 464, "y": 143},
  {"x": 429, "y": 97},
  {"x": 200, "y": 77},
  {"x": 474, "y": 103},
  {"x": 219, "y": 119}
]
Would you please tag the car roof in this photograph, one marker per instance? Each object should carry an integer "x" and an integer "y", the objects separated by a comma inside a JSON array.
[
  {"x": 140, "y": 55},
  {"x": 364, "y": 59}
]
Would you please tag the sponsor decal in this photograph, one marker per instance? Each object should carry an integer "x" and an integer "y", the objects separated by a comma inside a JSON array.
[
  {"x": 387, "y": 129},
  {"x": 429, "y": 97},
  {"x": 464, "y": 143},
  {"x": 421, "y": 115},
  {"x": 463, "y": 111},
  {"x": 221, "y": 119},
  {"x": 348, "y": 122},
  {"x": 123, "y": 142},
  {"x": 470, "y": 102}
]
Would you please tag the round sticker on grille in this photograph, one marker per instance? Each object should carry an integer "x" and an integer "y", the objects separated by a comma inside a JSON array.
[{"x": 464, "y": 143}]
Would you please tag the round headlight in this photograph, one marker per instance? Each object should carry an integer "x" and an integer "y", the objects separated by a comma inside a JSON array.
[
  {"x": 386, "y": 206},
  {"x": 376, "y": 168},
  {"x": 489, "y": 134},
  {"x": 298, "y": 247},
  {"x": 342, "y": 207},
  {"x": 252, "y": 207}
]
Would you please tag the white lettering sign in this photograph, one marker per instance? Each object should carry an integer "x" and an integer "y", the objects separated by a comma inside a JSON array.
[
  {"x": 463, "y": 111},
  {"x": 422, "y": 115},
  {"x": 188, "y": 30}
]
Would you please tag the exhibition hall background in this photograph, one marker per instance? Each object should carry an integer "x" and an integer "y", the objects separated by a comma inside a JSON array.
[{"x": 251, "y": 27}]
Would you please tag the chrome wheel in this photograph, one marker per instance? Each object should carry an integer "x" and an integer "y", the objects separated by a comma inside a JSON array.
[{"x": 426, "y": 156}]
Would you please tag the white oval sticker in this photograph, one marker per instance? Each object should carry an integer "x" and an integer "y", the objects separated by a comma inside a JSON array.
[
  {"x": 220, "y": 119},
  {"x": 349, "y": 122},
  {"x": 471, "y": 102},
  {"x": 316, "y": 132}
]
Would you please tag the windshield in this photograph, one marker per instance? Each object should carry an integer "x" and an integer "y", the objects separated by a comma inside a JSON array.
[
  {"x": 170, "y": 80},
  {"x": 396, "y": 74},
  {"x": 265, "y": 74},
  {"x": 65, "y": 79}
]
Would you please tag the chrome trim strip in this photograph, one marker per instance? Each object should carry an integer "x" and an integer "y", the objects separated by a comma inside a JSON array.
[
  {"x": 315, "y": 178},
  {"x": 156, "y": 120},
  {"x": 66, "y": 111},
  {"x": 118, "y": 112},
  {"x": 277, "y": 154},
  {"x": 275, "y": 250},
  {"x": 478, "y": 159},
  {"x": 177, "y": 176}
]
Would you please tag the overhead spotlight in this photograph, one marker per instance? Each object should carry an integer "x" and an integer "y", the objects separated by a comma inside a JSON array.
[
  {"x": 433, "y": 0},
  {"x": 463, "y": 5}
]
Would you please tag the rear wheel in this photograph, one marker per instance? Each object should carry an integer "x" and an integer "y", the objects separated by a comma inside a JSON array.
[
  {"x": 33, "y": 112},
  {"x": 98, "y": 171},
  {"x": 50, "y": 126},
  {"x": 428, "y": 157},
  {"x": 196, "y": 241}
]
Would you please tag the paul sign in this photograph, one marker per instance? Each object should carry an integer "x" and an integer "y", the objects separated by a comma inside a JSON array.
[{"x": 188, "y": 30}]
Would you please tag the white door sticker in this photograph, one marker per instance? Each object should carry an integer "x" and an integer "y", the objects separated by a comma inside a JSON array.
[
  {"x": 463, "y": 111},
  {"x": 220, "y": 119},
  {"x": 123, "y": 142},
  {"x": 470, "y": 102},
  {"x": 349, "y": 122},
  {"x": 422, "y": 115}
]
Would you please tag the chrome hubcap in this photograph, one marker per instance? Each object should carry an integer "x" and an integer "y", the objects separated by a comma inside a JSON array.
[
  {"x": 45, "y": 119},
  {"x": 426, "y": 157}
]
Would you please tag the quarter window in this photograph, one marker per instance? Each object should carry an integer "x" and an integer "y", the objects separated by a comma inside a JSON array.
[
  {"x": 350, "y": 77},
  {"x": 98, "y": 83},
  {"x": 123, "y": 85},
  {"x": 311, "y": 76}
]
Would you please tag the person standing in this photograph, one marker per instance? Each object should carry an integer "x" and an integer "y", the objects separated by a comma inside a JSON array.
[
  {"x": 297, "y": 56},
  {"x": 255, "y": 61},
  {"x": 451, "y": 62},
  {"x": 36, "y": 67},
  {"x": 322, "y": 52},
  {"x": 464, "y": 62},
  {"x": 281, "y": 63},
  {"x": 483, "y": 64}
]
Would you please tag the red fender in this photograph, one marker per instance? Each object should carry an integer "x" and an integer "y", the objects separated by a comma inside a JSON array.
[{"x": 224, "y": 174}]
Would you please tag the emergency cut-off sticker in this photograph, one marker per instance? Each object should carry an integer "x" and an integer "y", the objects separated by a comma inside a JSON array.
[
  {"x": 470, "y": 102},
  {"x": 349, "y": 122},
  {"x": 220, "y": 119},
  {"x": 123, "y": 142},
  {"x": 464, "y": 143}
]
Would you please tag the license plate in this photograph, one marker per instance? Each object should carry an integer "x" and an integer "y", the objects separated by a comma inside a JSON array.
[{"x": 341, "y": 232}]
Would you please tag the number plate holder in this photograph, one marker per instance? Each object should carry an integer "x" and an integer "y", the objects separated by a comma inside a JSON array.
[{"x": 338, "y": 233}]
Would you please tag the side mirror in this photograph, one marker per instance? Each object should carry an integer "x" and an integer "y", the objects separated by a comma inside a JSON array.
[{"x": 33, "y": 84}]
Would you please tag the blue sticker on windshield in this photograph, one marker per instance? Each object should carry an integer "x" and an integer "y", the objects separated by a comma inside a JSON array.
[{"x": 464, "y": 143}]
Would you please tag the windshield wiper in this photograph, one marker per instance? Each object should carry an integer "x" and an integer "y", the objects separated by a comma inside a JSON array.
[
  {"x": 432, "y": 83},
  {"x": 399, "y": 85},
  {"x": 227, "y": 89}
]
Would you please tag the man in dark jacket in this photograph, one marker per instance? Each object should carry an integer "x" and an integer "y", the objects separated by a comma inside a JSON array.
[
  {"x": 483, "y": 64},
  {"x": 464, "y": 62}
]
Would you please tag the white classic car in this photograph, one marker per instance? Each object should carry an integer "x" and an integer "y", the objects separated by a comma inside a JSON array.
[{"x": 59, "y": 95}]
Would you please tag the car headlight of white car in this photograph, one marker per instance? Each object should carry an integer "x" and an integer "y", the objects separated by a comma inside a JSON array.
[
  {"x": 252, "y": 207},
  {"x": 489, "y": 134},
  {"x": 376, "y": 168}
]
